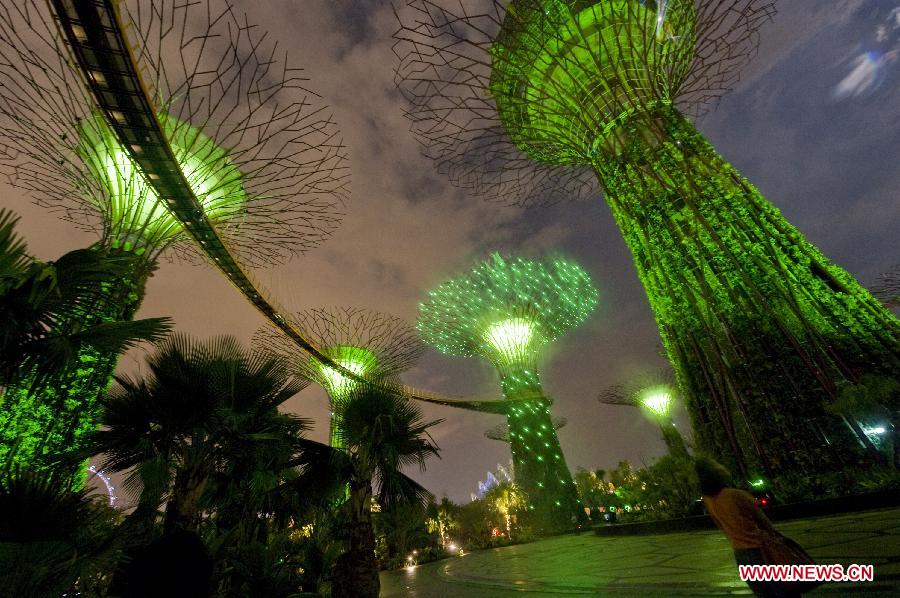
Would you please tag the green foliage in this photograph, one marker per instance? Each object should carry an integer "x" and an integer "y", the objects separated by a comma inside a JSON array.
[
  {"x": 62, "y": 327},
  {"x": 507, "y": 500},
  {"x": 46, "y": 308},
  {"x": 202, "y": 425},
  {"x": 758, "y": 324},
  {"x": 273, "y": 568},
  {"x": 873, "y": 396},
  {"x": 404, "y": 529},
  {"x": 476, "y": 520},
  {"x": 665, "y": 489},
  {"x": 54, "y": 541},
  {"x": 382, "y": 431}
]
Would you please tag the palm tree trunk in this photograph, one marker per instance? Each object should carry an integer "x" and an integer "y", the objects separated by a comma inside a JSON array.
[
  {"x": 356, "y": 572},
  {"x": 183, "y": 508}
]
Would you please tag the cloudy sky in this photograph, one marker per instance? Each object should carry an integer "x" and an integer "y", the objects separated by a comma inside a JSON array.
[{"x": 815, "y": 124}]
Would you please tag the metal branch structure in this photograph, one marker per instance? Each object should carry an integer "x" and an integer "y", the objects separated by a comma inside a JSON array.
[
  {"x": 655, "y": 396},
  {"x": 364, "y": 342},
  {"x": 506, "y": 310},
  {"x": 192, "y": 137},
  {"x": 526, "y": 101}
]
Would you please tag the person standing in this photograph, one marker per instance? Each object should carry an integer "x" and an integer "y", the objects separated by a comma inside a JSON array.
[{"x": 753, "y": 538}]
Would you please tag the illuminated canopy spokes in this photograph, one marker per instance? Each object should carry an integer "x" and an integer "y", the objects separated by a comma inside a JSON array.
[
  {"x": 507, "y": 308},
  {"x": 358, "y": 360},
  {"x": 363, "y": 341},
  {"x": 259, "y": 150},
  {"x": 137, "y": 216},
  {"x": 564, "y": 73},
  {"x": 511, "y": 338},
  {"x": 657, "y": 400}
]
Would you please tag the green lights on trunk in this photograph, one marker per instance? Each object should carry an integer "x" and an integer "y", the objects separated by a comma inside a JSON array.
[{"x": 505, "y": 310}]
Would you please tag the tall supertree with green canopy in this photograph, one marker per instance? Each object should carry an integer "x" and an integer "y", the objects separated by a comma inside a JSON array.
[
  {"x": 541, "y": 100},
  {"x": 258, "y": 150},
  {"x": 655, "y": 396},
  {"x": 507, "y": 310},
  {"x": 368, "y": 343}
]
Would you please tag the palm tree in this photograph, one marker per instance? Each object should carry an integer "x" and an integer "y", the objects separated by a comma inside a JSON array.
[
  {"x": 381, "y": 431},
  {"x": 41, "y": 323},
  {"x": 53, "y": 541},
  {"x": 46, "y": 328},
  {"x": 205, "y": 407},
  {"x": 506, "y": 498}
]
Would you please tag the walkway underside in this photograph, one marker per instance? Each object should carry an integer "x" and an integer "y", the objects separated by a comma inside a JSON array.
[{"x": 94, "y": 34}]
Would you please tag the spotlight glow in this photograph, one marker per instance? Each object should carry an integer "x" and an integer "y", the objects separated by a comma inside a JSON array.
[
  {"x": 657, "y": 400},
  {"x": 510, "y": 337},
  {"x": 137, "y": 215}
]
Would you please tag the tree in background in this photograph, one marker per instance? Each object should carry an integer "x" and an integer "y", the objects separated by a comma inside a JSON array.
[
  {"x": 365, "y": 342},
  {"x": 534, "y": 101},
  {"x": 241, "y": 140},
  {"x": 508, "y": 310},
  {"x": 507, "y": 500}
]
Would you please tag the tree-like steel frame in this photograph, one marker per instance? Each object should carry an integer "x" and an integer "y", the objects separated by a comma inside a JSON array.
[
  {"x": 506, "y": 310},
  {"x": 633, "y": 393},
  {"x": 366, "y": 342},
  {"x": 216, "y": 123},
  {"x": 535, "y": 101},
  {"x": 94, "y": 54}
]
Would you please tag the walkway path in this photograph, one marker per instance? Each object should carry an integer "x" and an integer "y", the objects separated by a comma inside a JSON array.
[{"x": 684, "y": 564}]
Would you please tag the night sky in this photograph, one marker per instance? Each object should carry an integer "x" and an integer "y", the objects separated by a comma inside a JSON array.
[{"x": 814, "y": 123}]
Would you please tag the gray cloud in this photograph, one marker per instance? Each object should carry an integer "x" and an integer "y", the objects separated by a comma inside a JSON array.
[{"x": 829, "y": 166}]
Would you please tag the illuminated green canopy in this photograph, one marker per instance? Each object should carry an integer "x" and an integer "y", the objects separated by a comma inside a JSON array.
[
  {"x": 565, "y": 72},
  {"x": 356, "y": 359},
  {"x": 657, "y": 400},
  {"x": 136, "y": 216},
  {"x": 506, "y": 308}
]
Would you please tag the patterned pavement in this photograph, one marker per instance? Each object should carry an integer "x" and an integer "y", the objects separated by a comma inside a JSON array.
[{"x": 696, "y": 563}]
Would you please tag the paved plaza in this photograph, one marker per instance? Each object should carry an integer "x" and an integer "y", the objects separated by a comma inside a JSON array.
[{"x": 696, "y": 563}]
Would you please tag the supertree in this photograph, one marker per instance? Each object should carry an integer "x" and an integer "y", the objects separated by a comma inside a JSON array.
[
  {"x": 655, "y": 396},
  {"x": 549, "y": 99},
  {"x": 195, "y": 90},
  {"x": 365, "y": 342},
  {"x": 507, "y": 310}
]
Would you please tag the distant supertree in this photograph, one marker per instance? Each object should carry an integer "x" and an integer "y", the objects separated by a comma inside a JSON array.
[
  {"x": 507, "y": 310},
  {"x": 261, "y": 156},
  {"x": 533, "y": 102},
  {"x": 365, "y": 342},
  {"x": 655, "y": 396}
]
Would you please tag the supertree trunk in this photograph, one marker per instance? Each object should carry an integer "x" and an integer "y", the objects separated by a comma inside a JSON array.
[
  {"x": 673, "y": 439},
  {"x": 539, "y": 466},
  {"x": 759, "y": 325},
  {"x": 41, "y": 425}
]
